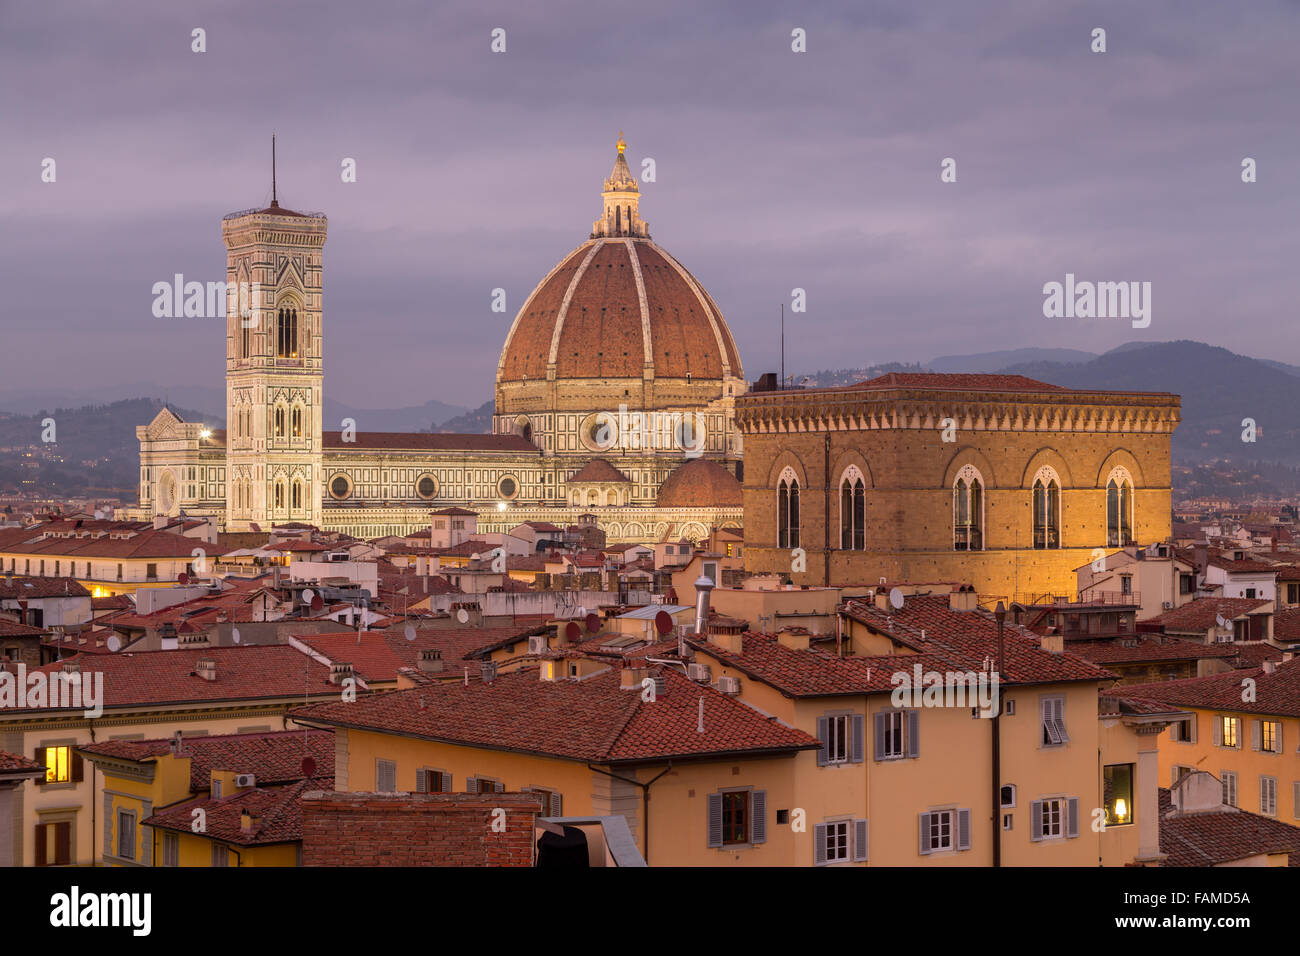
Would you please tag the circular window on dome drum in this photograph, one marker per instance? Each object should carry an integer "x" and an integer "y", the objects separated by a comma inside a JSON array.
[
  {"x": 508, "y": 487},
  {"x": 426, "y": 486},
  {"x": 340, "y": 487},
  {"x": 599, "y": 432}
]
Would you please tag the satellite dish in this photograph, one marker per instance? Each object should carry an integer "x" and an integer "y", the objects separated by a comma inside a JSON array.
[
  {"x": 308, "y": 767},
  {"x": 114, "y": 643},
  {"x": 308, "y": 595},
  {"x": 663, "y": 622},
  {"x": 183, "y": 578},
  {"x": 896, "y": 599},
  {"x": 317, "y": 602},
  {"x": 593, "y": 623},
  {"x": 234, "y": 635},
  {"x": 1220, "y": 621},
  {"x": 410, "y": 632},
  {"x": 572, "y": 631},
  {"x": 463, "y": 616}
]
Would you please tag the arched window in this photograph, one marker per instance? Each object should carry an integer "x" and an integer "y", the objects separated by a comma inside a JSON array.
[
  {"x": 296, "y": 422},
  {"x": 287, "y": 333},
  {"x": 1119, "y": 509},
  {"x": 968, "y": 510},
  {"x": 1047, "y": 509},
  {"x": 853, "y": 509},
  {"x": 279, "y": 495},
  {"x": 296, "y": 497},
  {"x": 787, "y": 510},
  {"x": 279, "y": 421}
]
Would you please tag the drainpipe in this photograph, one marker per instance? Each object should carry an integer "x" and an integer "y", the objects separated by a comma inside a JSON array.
[
  {"x": 826, "y": 516},
  {"x": 645, "y": 799},
  {"x": 1001, "y": 614}
]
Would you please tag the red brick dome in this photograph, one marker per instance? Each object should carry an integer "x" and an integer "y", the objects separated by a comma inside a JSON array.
[
  {"x": 700, "y": 483},
  {"x": 613, "y": 306}
]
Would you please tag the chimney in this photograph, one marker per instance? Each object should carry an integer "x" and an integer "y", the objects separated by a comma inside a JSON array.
[
  {"x": 793, "y": 640},
  {"x": 703, "y": 586},
  {"x": 72, "y": 666},
  {"x": 340, "y": 671},
  {"x": 963, "y": 599},
  {"x": 1053, "y": 643},
  {"x": 881, "y": 599},
  {"x": 488, "y": 671},
  {"x": 206, "y": 668},
  {"x": 430, "y": 661},
  {"x": 167, "y": 640},
  {"x": 733, "y": 643},
  {"x": 249, "y": 822},
  {"x": 1270, "y": 667},
  {"x": 632, "y": 677}
]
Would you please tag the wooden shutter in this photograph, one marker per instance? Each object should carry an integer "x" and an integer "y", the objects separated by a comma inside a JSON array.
[
  {"x": 879, "y": 720},
  {"x": 498, "y": 787},
  {"x": 1036, "y": 820},
  {"x": 715, "y": 819},
  {"x": 63, "y": 843},
  {"x": 1072, "y": 817},
  {"x": 1190, "y": 728},
  {"x": 421, "y": 781},
  {"x": 758, "y": 816},
  {"x": 40, "y": 759},
  {"x": 914, "y": 733},
  {"x": 963, "y": 829},
  {"x": 819, "y": 843},
  {"x": 557, "y": 805},
  {"x": 859, "y": 733},
  {"x": 925, "y": 834},
  {"x": 1263, "y": 795},
  {"x": 823, "y": 736},
  {"x": 859, "y": 841},
  {"x": 78, "y": 774},
  {"x": 471, "y": 785},
  {"x": 1218, "y": 730},
  {"x": 1295, "y": 795},
  {"x": 1256, "y": 734},
  {"x": 41, "y": 844},
  {"x": 446, "y": 783}
]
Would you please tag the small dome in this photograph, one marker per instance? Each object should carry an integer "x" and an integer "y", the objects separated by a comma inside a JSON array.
[{"x": 700, "y": 483}]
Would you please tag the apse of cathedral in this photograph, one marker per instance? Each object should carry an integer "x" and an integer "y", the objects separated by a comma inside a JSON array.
[{"x": 614, "y": 398}]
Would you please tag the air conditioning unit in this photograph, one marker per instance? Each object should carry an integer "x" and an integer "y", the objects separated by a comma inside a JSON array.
[
  {"x": 243, "y": 780},
  {"x": 729, "y": 685},
  {"x": 1167, "y": 605},
  {"x": 699, "y": 672},
  {"x": 537, "y": 644}
]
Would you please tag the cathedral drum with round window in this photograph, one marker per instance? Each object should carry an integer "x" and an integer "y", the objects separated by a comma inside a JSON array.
[
  {"x": 426, "y": 487},
  {"x": 340, "y": 487},
  {"x": 508, "y": 487}
]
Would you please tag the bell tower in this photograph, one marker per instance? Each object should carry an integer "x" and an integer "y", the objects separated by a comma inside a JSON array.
[{"x": 274, "y": 366}]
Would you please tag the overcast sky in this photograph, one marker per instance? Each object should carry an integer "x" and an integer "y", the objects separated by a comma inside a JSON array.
[{"x": 775, "y": 170}]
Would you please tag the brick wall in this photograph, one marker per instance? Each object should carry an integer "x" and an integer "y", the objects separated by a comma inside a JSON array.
[{"x": 409, "y": 829}]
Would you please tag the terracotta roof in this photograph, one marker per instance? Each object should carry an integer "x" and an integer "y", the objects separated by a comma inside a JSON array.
[
  {"x": 700, "y": 483},
  {"x": 1276, "y": 694},
  {"x": 145, "y": 543},
  {"x": 152, "y": 678},
  {"x": 16, "y": 765},
  {"x": 588, "y": 720},
  {"x": 590, "y": 308},
  {"x": 273, "y": 757},
  {"x": 278, "y": 812},
  {"x": 1286, "y": 625},
  {"x": 367, "y": 652},
  {"x": 10, "y": 629},
  {"x": 456, "y": 511},
  {"x": 1216, "y": 837},
  {"x": 1149, "y": 648},
  {"x": 430, "y": 441},
  {"x": 22, "y": 588},
  {"x": 598, "y": 469},
  {"x": 1200, "y": 615}
]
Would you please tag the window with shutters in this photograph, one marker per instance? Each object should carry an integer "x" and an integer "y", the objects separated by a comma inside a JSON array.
[
  {"x": 220, "y": 854},
  {"x": 838, "y": 736},
  {"x": 737, "y": 818},
  {"x": 552, "y": 802},
  {"x": 1268, "y": 796},
  {"x": 63, "y": 765},
  {"x": 1052, "y": 710},
  {"x": 429, "y": 780},
  {"x": 53, "y": 842},
  {"x": 896, "y": 734},
  {"x": 1270, "y": 736},
  {"x": 171, "y": 847},
  {"x": 1229, "y": 781},
  {"x": 1183, "y": 731},
  {"x": 126, "y": 834},
  {"x": 1054, "y": 818},
  {"x": 943, "y": 830}
]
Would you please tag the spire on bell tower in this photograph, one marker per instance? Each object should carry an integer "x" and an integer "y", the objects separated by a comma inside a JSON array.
[{"x": 621, "y": 199}]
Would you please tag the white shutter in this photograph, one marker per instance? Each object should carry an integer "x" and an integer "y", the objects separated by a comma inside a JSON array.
[
  {"x": 471, "y": 785},
  {"x": 819, "y": 843},
  {"x": 1256, "y": 734},
  {"x": 557, "y": 805},
  {"x": 499, "y": 787},
  {"x": 1218, "y": 730},
  {"x": 1190, "y": 728},
  {"x": 859, "y": 841},
  {"x": 925, "y": 834},
  {"x": 963, "y": 829}
]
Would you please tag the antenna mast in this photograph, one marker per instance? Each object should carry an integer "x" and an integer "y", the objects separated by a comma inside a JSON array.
[{"x": 274, "y": 203}]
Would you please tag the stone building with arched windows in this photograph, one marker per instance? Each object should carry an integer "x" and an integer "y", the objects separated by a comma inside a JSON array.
[
  {"x": 618, "y": 373},
  {"x": 999, "y": 481}
]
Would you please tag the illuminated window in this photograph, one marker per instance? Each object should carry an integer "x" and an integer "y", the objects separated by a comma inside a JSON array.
[
  {"x": 287, "y": 333},
  {"x": 1229, "y": 731},
  {"x": 296, "y": 422},
  {"x": 58, "y": 764},
  {"x": 1270, "y": 734},
  {"x": 1047, "y": 509},
  {"x": 1117, "y": 794}
]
